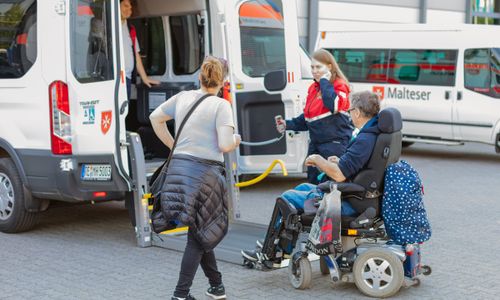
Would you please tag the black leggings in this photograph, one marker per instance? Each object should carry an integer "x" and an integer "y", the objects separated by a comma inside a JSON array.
[{"x": 194, "y": 255}]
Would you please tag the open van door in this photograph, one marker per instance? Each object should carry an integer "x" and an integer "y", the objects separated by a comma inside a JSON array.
[
  {"x": 262, "y": 46},
  {"x": 97, "y": 96}
]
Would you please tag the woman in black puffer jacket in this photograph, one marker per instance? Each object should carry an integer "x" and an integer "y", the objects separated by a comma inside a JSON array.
[{"x": 195, "y": 191}]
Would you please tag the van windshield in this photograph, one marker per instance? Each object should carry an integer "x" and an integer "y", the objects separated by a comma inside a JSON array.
[
  {"x": 91, "y": 40},
  {"x": 482, "y": 71},
  {"x": 262, "y": 37}
]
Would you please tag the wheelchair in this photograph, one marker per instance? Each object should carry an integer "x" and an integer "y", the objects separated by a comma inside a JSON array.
[{"x": 361, "y": 251}]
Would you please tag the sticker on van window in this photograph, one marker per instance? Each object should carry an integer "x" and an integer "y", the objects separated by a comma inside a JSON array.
[
  {"x": 106, "y": 121},
  {"x": 88, "y": 111}
]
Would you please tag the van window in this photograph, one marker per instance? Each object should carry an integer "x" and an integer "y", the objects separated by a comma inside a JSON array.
[
  {"x": 188, "y": 43},
  {"x": 482, "y": 71},
  {"x": 91, "y": 40},
  {"x": 151, "y": 37},
  {"x": 422, "y": 67},
  {"x": 262, "y": 37},
  {"x": 18, "y": 36},
  {"x": 362, "y": 65}
]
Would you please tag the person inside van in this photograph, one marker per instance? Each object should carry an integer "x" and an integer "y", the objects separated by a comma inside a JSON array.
[
  {"x": 364, "y": 113},
  {"x": 325, "y": 113},
  {"x": 195, "y": 194},
  {"x": 131, "y": 49}
]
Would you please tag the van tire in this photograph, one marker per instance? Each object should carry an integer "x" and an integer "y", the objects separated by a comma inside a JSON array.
[{"x": 18, "y": 218}]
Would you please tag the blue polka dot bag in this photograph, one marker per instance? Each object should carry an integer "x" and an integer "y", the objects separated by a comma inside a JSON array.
[{"x": 403, "y": 208}]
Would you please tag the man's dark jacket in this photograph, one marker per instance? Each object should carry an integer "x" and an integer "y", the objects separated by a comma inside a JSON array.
[{"x": 195, "y": 194}]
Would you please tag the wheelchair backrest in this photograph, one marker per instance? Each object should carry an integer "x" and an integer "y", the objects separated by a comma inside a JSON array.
[{"x": 387, "y": 151}]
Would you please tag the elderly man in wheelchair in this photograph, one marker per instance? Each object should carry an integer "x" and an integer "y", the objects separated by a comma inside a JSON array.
[{"x": 356, "y": 247}]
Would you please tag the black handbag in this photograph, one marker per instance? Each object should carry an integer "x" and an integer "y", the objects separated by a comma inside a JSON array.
[{"x": 158, "y": 222}]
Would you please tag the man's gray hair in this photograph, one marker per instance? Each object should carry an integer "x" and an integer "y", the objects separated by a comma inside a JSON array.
[{"x": 367, "y": 103}]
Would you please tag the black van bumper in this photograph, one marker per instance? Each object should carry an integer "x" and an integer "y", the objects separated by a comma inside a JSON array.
[{"x": 56, "y": 177}]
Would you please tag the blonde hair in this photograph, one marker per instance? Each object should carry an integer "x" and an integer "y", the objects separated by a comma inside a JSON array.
[
  {"x": 212, "y": 72},
  {"x": 325, "y": 57}
]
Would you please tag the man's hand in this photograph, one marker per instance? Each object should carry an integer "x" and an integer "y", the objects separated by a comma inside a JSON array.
[
  {"x": 334, "y": 159},
  {"x": 312, "y": 160}
]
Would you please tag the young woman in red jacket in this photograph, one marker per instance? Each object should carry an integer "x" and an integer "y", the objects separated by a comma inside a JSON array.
[{"x": 325, "y": 114}]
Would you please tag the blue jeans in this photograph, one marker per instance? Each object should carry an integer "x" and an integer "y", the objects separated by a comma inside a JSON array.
[{"x": 306, "y": 191}]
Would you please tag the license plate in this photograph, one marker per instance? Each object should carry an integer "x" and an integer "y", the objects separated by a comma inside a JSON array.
[{"x": 91, "y": 172}]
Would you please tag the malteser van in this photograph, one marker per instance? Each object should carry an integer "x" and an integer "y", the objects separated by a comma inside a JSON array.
[
  {"x": 63, "y": 99},
  {"x": 444, "y": 80}
]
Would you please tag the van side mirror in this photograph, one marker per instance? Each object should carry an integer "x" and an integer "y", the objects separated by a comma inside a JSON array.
[{"x": 275, "y": 81}]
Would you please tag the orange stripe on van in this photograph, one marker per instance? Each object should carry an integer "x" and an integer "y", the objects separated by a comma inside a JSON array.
[
  {"x": 22, "y": 39},
  {"x": 85, "y": 11},
  {"x": 252, "y": 10},
  {"x": 122, "y": 76},
  {"x": 288, "y": 76},
  {"x": 293, "y": 76}
]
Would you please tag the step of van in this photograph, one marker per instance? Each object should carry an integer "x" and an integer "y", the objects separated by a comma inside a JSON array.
[{"x": 431, "y": 141}]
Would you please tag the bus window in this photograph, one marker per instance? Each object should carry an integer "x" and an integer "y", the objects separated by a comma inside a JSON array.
[
  {"x": 262, "y": 37},
  {"x": 362, "y": 65},
  {"x": 482, "y": 71},
  {"x": 188, "y": 44},
  {"x": 422, "y": 67},
  {"x": 17, "y": 38},
  {"x": 151, "y": 38},
  {"x": 91, "y": 40}
]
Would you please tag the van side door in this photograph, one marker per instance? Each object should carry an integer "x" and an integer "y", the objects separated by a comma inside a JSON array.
[{"x": 262, "y": 37}]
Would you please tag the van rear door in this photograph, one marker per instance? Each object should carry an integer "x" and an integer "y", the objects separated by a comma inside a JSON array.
[
  {"x": 262, "y": 37},
  {"x": 96, "y": 89}
]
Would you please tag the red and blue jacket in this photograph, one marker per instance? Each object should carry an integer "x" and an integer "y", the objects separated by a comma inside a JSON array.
[{"x": 325, "y": 114}]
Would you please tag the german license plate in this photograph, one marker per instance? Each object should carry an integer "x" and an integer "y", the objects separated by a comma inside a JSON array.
[{"x": 94, "y": 172}]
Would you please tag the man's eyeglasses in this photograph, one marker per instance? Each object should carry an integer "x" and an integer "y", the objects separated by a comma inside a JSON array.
[{"x": 351, "y": 109}]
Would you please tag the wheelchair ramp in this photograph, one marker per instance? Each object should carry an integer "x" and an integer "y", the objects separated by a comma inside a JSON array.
[{"x": 241, "y": 235}]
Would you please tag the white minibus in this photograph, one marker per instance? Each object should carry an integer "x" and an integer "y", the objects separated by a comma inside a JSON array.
[
  {"x": 63, "y": 98},
  {"x": 444, "y": 80}
]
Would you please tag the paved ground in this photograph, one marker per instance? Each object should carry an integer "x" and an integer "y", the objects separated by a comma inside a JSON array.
[{"x": 89, "y": 252}]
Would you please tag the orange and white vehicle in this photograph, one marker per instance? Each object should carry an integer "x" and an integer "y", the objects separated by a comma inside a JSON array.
[
  {"x": 63, "y": 99},
  {"x": 444, "y": 80}
]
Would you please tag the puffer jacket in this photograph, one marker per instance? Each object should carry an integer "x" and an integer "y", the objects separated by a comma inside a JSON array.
[{"x": 195, "y": 193}]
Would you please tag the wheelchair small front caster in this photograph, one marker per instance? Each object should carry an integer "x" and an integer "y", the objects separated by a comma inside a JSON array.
[
  {"x": 300, "y": 273},
  {"x": 426, "y": 270}
]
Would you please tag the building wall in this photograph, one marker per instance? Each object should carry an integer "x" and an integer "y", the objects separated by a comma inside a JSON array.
[{"x": 341, "y": 13}]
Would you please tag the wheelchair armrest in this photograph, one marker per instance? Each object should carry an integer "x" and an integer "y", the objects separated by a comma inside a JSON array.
[{"x": 343, "y": 187}]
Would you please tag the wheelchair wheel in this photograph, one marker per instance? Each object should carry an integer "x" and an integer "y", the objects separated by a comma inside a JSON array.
[
  {"x": 300, "y": 273},
  {"x": 323, "y": 266},
  {"x": 378, "y": 273}
]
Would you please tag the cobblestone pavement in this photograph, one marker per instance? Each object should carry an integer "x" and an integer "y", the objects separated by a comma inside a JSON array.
[{"x": 89, "y": 252}]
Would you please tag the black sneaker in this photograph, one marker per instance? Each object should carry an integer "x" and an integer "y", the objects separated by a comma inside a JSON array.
[
  {"x": 189, "y": 297},
  {"x": 216, "y": 292}
]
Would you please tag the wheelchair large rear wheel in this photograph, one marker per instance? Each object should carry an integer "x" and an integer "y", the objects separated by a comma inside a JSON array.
[
  {"x": 300, "y": 273},
  {"x": 378, "y": 273}
]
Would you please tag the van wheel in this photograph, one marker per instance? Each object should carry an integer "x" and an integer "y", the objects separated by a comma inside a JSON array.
[
  {"x": 13, "y": 216},
  {"x": 407, "y": 144}
]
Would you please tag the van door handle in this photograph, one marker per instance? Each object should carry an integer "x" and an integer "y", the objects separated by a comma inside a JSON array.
[
  {"x": 459, "y": 96},
  {"x": 447, "y": 95}
]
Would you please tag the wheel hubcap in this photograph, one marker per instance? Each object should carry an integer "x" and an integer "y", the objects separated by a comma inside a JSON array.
[
  {"x": 6, "y": 197},
  {"x": 377, "y": 273}
]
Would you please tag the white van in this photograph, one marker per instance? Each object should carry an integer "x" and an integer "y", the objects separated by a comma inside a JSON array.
[
  {"x": 63, "y": 100},
  {"x": 445, "y": 81}
]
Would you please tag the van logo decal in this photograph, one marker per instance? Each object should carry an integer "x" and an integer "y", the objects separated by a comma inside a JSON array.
[
  {"x": 106, "y": 121},
  {"x": 379, "y": 90}
]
